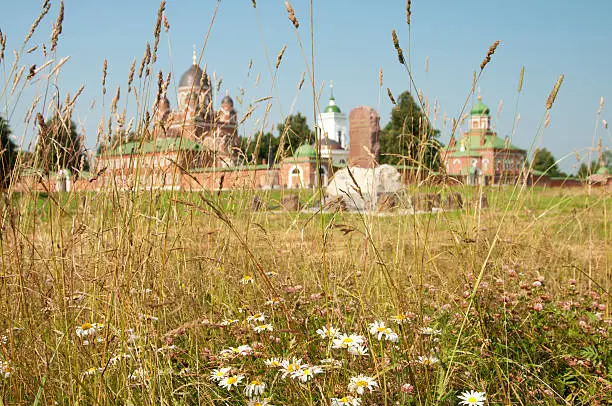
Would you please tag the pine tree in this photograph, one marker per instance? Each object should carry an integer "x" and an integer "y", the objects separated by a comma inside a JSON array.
[
  {"x": 408, "y": 138},
  {"x": 293, "y": 133}
]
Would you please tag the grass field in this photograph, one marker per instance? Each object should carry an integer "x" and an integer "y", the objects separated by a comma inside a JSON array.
[{"x": 139, "y": 297}]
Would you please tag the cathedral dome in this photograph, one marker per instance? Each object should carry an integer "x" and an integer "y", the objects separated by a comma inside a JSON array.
[
  {"x": 227, "y": 100},
  {"x": 193, "y": 78},
  {"x": 332, "y": 107},
  {"x": 479, "y": 108},
  {"x": 305, "y": 151}
]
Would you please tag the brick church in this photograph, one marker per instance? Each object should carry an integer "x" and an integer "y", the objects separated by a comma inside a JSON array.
[{"x": 480, "y": 156}]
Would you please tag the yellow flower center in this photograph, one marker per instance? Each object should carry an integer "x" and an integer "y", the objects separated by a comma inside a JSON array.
[
  {"x": 292, "y": 367},
  {"x": 255, "y": 383},
  {"x": 86, "y": 326},
  {"x": 472, "y": 399},
  {"x": 381, "y": 329},
  {"x": 361, "y": 383},
  {"x": 232, "y": 380}
]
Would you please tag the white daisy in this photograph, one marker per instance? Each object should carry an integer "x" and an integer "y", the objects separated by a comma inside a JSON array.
[
  {"x": 428, "y": 331},
  {"x": 360, "y": 383},
  {"x": 358, "y": 350},
  {"x": 402, "y": 318},
  {"x": 93, "y": 371},
  {"x": 228, "y": 322},
  {"x": 328, "y": 332},
  {"x": 391, "y": 336},
  {"x": 346, "y": 401},
  {"x": 290, "y": 366},
  {"x": 231, "y": 381},
  {"x": 259, "y": 402},
  {"x": 273, "y": 301},
  {"x": 254, "y": 388},
  {"x": 258, "y": 317},
  {"x": 220, "y": 373},
  {"x": 246, "y": 279},
  {"x": 378, "y": 329},
  {"x": 331, "y": 363},
  {"x": 428, "y": 360},
  {"x": 86, "y": 329},
  {"x": 306, "y": 373},
  {"x": 273, "y": 362},
  {"x": 263, "y": 327},
  {"x": 472, "y": 398},
  {"x": 347, "y": 341},
  {"x": 242, "y": 350}
]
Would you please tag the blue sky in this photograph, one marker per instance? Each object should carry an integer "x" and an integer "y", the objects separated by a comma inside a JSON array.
[{"x": 352, "y": 42}]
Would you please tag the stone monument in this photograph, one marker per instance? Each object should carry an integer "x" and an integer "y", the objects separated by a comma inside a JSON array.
[
  {"x": 361, "y": 188},
  {"x": 364, "y": 125}
]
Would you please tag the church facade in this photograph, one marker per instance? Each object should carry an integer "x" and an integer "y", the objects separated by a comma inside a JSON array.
[
  {"x": 480, "y": 156},
  {"x": 189, "y": 137}
]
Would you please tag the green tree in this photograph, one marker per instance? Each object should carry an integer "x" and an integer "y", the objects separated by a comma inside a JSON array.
[
  {"x": 260, "y": 147},
  {"x": 544, "y": 161},
  {"x": 59, "y": 146},
  {"x": 8, "y": 153},
  {"x": 586, "y": 170},
  {"x": 293, "y": 132},
  {"x": 408, "y": 138}
]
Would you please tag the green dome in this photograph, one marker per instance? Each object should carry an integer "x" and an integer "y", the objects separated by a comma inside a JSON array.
[
  {"x": 479, "y": 109},
  {"x": 305, "y": 150},
  {"x": 331, "y": 107}
]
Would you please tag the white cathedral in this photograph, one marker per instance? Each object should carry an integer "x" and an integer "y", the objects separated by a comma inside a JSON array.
[{"x": 334, "y": 134}]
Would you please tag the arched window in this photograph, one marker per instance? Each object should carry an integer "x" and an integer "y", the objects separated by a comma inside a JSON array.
[{"x": 295, "y": 178}]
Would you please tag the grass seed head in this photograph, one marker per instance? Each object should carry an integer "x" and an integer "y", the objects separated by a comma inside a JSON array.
[
  {"x": 104, "y": 67},
  {"x": 145, "y": 59},
  {"x": 553, "y": 94},
  {"x": 601, "y": 104},
  {"x": 32, "y": 72},
  {"x": 166, "y": 24},
  {"x": 490, "y": 53},
  {"x": 279, "y": 57},
  {"x": 131, "y": 74},
  {"x": 291, "y": 15},
  {"x": 400, "y": 53},
  {"x": 2, "y": 45},
  {"x": 157, "y": 29},
  {"x": 520, "y": 83},
  {"x": 391, "y": 96},
  {"x": 45, "y": 9},
  {"x": 408, "y": 12},
  {"x": 57, "y": 28},
  {"x": 116, "y": 99}
]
